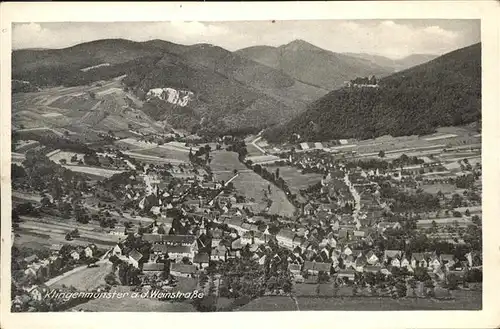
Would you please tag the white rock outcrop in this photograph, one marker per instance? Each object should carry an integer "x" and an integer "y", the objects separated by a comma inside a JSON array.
[{"x": 170, "y": 95}]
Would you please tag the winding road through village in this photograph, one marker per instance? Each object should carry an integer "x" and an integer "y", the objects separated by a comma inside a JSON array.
[{"x": 357, "y": 200}]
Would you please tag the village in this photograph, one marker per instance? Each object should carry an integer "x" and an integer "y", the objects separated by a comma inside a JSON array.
[{"x": 383, "y": 223}]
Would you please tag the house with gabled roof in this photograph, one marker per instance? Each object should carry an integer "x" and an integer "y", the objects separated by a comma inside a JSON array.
[
  {"x": 75, "y": 255},
  {"x": 357, "y": 253},
  {"x": 313, "y": 268},
  {"x": 434, "y": 262},
  {"x": 201, "y": 259},
  {"x": 371, "y": 258},
  {"x": 37, "y": 292},
  {"x": 177, "y": 253},
  {"x": 183, "y": 270},
  {"x": 360, "y": 263},
  {"x": 372, "y": 269},
  {"x": 303, "y": 242},
  {"x": 474, "y": 259},
  {"x": 389, "y": 254},
  {"x": 88, "y": 252},
  {"x": 159, "y": 249},
  {"x": 348, "y": 261},
  {"x": 418, "y": 260},
  {"x": 134, "y": 257},
  {"x": 30, "y": 259},
  {"x": 406, "y": 263},
  {"x": 347, "y": 273},
  {"x": 151, "y": 267}
]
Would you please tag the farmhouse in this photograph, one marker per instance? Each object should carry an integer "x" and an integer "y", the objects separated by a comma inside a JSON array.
[{"x": 134, "y": 257}]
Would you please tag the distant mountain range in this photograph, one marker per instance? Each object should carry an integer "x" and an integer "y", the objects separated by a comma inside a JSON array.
[
  {"x": 443, "y": 92},
  {"x": 246, "y": 90},
  {"x": 313, "y": 65},
  {"x": 395, "y": 64}
]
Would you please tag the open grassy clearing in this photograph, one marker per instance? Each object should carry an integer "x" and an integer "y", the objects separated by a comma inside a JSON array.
[
  {"x": 249, "y": 183},
  {"x": 153, "y": 159},
  {"x": 26, "y": 145},
  {"x": 58, "y": 156},
  {"x": 95, "y": 171},
  {"x": 464, "y": 300},
  {"x": 295, "y": 179},
  {"x": 270, "y": 303},
  {"x": 224, "y": 163},
  {"x": 49, "y": 232},
  {"x": 263, "y": 158},
  {"x": 387, "y": 304},
  {"x": 134, "y": 144},
  {"x": 33, "y": 239},
  {"x": 166, "y": 153},
  {"x": 252, "y": 150},
  {"x": 435, "y": 188},
  {"x": 253, "y": 187}
]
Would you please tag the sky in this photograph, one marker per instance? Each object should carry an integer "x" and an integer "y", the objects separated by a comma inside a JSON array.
[{"x": 390, "y": 38}]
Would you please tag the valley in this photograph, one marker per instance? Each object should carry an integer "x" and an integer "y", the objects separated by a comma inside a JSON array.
[{"x": 267, "y": 178}]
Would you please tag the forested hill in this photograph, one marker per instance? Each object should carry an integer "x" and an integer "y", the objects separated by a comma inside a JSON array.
[{"x": 443, "y": 92}]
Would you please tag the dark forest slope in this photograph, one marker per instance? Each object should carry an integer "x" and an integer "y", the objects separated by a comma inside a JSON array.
[{"x": 443, "y": 92}]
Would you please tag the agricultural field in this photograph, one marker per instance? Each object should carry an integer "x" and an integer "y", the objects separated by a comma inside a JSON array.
[
  {"x": 249, "y": 183},
  {"x": 435, "y": 188},
  {"x": 470, "y": 302},
  {"x": 26, "y": 145},
  {"x": 394, "y": 147},
  {"x": 427, "y": 223},
  {"x": 462, "y": 300},
  {"x": 263, "y": 158},
  {"x": 152, "y": 158},
  {"x": 171, "y": 154},
  {"x": 252, "y": 150},
  {"x": 223, "y": 164},
  {"x": 295, "y": 179},
  {"x": 253, "y": 187},
  {"x": 94, "y": 171},
  {"x": 17, "y": 158},
  {"x": 19, "y": 196},
  {"x": 133, "y": 144},
  {"x": 270, "y": 303},
  {"x": 82, "y": 111},
  {"x": 50, "y": 230},
  {"x": 60, "y": 155}
]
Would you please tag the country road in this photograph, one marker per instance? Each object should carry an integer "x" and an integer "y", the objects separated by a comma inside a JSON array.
[
  {"x": 357, "y": 200},
  {"x": 257, "y": 146},
  {"x": 54, "y": 280}
]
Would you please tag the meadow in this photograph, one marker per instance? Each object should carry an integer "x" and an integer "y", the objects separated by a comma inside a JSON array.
[
  {"x": 462, "y": 300},
  {"x": 253, "y": 187}
]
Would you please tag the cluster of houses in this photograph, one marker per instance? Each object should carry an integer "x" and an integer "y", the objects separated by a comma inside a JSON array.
[
  {"x": 345, "y": 263},
  {"x": 43, "y": 269},
  {"x": 37, "y": 271},
  {"x": 362, "y": 82}
]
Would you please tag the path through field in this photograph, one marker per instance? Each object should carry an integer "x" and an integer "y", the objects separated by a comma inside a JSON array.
[{"x": 83, "y": 277}]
